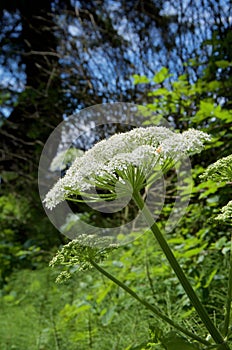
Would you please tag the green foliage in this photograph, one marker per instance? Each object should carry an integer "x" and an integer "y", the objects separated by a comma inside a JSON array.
[
  {"x": 13, "y": 210},
  {"x": 162, "y": 75},
  {"x": 199, "y": 104},
  {"x": 204, "y": 264},
  {"x": 173, "y": 341},
  {"x": 15, "y": 251},
  {"x": 89, "y": 312}
]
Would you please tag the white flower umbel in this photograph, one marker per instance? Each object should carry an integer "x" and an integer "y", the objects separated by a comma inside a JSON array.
[{"x": 129, "y": 158}]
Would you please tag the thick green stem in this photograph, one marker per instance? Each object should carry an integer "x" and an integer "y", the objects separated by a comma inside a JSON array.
[
  {"x": 214, "y": 332},
  {"x": 229, "y": 296},
  {"x": 148, "y": 305}
]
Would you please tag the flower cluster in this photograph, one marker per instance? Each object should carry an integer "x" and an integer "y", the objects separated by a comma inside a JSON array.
[
  {"x": 79, "y": 253},
  {"x": 220, "y": 171},
  {"x": 116, "y": 159},
  {"x": 226, "y": 213}
]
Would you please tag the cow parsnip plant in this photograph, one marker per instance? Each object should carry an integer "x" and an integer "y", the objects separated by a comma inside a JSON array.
[{"x": 125, "y": 164}]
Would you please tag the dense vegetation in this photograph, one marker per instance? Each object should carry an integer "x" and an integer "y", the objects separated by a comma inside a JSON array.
[{"x": 61, "y": 56}]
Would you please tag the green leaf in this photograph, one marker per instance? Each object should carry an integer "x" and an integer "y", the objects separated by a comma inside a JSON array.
[
  {"x": 195, "y": 251},
  {"x": 214, "y": 85},
  {"x": 9, "y": 175},
  {"x": 108, "y": 316},
  {"x": 103, "y": 293},
  {"x": 172, "y": 341},
  {"x": 161, "y": 75},
  {"x": 159, "y": 92},
  {"x": 225, "y": 115},
  {"x": 140, "y": 346},
  {"x": 206, "y": 110},
  {"x": 210, "y": 278},
  {"x": 222, "y": 64},
  {"x": 140, "y": 79}
]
